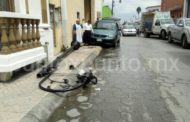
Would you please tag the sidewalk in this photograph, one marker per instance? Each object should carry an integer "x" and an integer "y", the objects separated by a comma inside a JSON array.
[{"x": 20, "y": 97}]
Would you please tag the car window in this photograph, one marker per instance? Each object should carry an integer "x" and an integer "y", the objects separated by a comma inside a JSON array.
[
  {"x": 129, "y": 27},
  {"x": 105, "y": 25},
  {"x": 167, "y": 21},
  {"x": 187, "y": 22},
  {"x": 157, "y": 22},
  {"x": 180, "y": 22}
]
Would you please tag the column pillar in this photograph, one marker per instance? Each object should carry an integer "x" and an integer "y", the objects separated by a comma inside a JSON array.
[
  {"x": 38, "y": 33},
  {"x": 4, "y": 37},
  {"x": 17, "y": 35},
  {"x": 12, "y": 40},
  {"x": 24, "y": 34}
]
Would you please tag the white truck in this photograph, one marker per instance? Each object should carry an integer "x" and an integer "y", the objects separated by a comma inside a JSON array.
[{"x": 156, "y": 23}]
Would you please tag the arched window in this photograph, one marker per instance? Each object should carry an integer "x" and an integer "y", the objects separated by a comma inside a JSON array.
[{"x": 7, "y": 5}]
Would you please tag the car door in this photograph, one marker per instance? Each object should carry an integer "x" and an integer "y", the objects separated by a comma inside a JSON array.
[
  {"x": 156, "y": 27},
  {"x": 174, "y": 30},
  {"x": 179, "y": 29},
  {"x": 118, "y": 31}
]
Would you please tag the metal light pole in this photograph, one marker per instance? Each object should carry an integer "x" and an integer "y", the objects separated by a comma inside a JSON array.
[{"x": 113, "y": 5}]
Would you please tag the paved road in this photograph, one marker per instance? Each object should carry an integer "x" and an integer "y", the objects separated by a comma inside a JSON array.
[{"x": 143, "y": 80}]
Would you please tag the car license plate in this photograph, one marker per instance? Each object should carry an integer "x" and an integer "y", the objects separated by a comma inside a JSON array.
[{"x": 99, "y": 40}]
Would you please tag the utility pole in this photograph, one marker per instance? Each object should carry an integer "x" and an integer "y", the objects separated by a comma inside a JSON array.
[{"x": 113, "y": 4}]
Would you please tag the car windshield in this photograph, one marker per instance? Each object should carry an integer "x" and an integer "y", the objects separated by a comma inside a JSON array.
[
  {"x": 129, "y": 27},
  {"x": 187, "y": 22},
  {"x": 167, "y": 21},
  {"x": 105, "y": 25}
]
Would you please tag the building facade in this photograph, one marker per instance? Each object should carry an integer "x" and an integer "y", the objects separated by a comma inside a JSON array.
[
  {"x": 24, "y": 30},
  {"x": 187, "y": 8},
  {"x": 78, "y": 9},
  {"x": 174, "y": 6}
]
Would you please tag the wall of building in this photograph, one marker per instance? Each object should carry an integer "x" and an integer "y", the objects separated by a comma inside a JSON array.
[
  {"x": 46, "y": 33},
  {"x": 69, "y": 15},
  {"x": 57, "y": 26},
  {"x": 20, "y": 6},
  {"x": 97, "y": 13},
  {"x": 175, "y": 6},
  {"x": 72, "y": 7}
]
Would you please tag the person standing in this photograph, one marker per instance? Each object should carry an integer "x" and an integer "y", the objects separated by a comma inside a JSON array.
[
  {"x": 77, "y": 32},
  {"x": 87, "y": 27},
  {"x": 84, "y": 22}
]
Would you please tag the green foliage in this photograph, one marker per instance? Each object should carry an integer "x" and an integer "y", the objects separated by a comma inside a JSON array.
[
  {"x": 139, "y": 10},
  {"x": 106, "y": 12}
]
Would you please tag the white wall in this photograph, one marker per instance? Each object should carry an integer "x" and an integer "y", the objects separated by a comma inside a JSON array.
[
  {"x": 20, "y": 6},
  {"x": 35, "y": 9}
]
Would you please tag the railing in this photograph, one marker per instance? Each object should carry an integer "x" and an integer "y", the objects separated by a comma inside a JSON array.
[{"x": 18, "y": 33}]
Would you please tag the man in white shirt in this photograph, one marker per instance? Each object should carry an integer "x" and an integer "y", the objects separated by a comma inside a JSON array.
[{"x": 87, "y": 33}]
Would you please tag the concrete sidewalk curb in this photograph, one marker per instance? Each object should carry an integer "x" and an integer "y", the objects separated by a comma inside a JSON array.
[{"x": 43, "y": 110}]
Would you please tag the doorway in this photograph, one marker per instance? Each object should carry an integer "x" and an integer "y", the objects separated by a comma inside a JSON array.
[{"x": 87, "y": 10}]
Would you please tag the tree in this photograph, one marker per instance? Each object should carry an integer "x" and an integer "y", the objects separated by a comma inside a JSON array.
[{"x": 139, "y": 10}]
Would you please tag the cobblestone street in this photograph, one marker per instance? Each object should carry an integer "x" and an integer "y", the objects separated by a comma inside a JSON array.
[{"x": 144, "y": 95}]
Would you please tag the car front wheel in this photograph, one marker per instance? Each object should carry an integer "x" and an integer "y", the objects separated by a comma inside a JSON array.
[
  {"x": 115, "y": 44},
  {"x": 163, "y": 35},
  {"x": 185, "y": 45},
  {"x": 170, "y": 38},
  {"x": 146, "y": 35}
]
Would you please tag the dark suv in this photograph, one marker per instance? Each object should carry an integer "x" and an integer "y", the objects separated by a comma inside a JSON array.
[{"x": 106, "y": 32}]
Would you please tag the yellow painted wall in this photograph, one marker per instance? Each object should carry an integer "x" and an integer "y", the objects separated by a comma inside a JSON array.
[
  {"x": 58, "y": 27},
  {"x": 59, "y": 33},
  {"x": 72, "y": 7},
  {"x": 57, "y": 3}
]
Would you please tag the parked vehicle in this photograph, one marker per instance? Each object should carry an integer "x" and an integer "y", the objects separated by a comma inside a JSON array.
[
  {"x": 156, "y": 23},
  {"x": 118, "y": 20},
  {"x": 180, "y": 32},
  {"x": 129, "y": 30},
  {"x": 107, "y": 32}
]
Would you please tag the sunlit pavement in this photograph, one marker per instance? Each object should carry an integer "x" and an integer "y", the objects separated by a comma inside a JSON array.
[{"x": 143, "y": 80}]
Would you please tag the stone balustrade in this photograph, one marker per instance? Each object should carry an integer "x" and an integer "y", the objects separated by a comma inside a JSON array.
[{"x": 18, "y": 33}]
